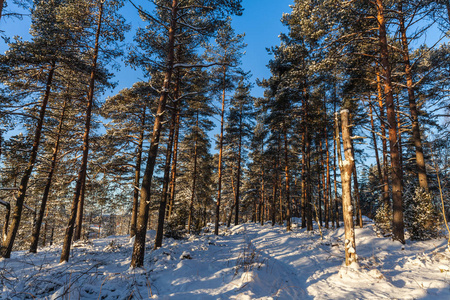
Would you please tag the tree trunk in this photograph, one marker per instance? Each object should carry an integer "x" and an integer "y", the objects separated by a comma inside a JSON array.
[
  {"x": 80, "y": 209},
  {"x": 137, "y": 176},
  {"x": 386, "y": 197},
  {"x": 6, "y": 248},
  {"x": 286, "y": 171},
  {"x": 308, "y": 189},
  {"x": 194, "y": 179},
  {"x": 346, "y": 168},
  {"x": 375, "y": 144},
  {"x": 40, "y": 217},
  {"x": 173, "y": 172},
  {"x": 238, "y": 180},
  {"x": 335, "y": 145},
  {"x": 83, "y": 168},
  {"x": 165, "y": 192},
  {"x": 420, "y": 161},
  {"x": 219, "y": 189},
  {"x": 274, "y": 197},
  {"x": 359, "y": 220},
  {"x": 137, "y": 259},
  {"x": 320, "y": 185},
  {"x": 398, "y": 225},
  {"x": 262, "y": 206},
  {"x": 303, "y": 199},
  {"x": 328, "y": 184}
]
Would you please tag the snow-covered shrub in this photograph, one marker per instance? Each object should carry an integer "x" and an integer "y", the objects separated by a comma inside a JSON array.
[
  {"x": 383, "y": 218},
  {"x": 422, "y": 219}
]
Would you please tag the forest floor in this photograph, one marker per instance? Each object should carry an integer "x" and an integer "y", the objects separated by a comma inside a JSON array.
[{"x": 248, "y": 261}]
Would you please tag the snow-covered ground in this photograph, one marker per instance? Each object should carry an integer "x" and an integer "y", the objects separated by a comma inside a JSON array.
[{"x": 248, "y": 261}]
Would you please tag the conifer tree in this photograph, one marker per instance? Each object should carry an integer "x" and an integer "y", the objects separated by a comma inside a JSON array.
[{"x": 199, "y": 19}]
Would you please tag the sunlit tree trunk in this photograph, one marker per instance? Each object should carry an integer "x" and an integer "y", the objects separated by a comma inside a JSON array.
[
  {"x": 385, "y": 188},
  {"x": 194, "y": 179},
  {"x": 346, "y": 166},
  {"x": 166, "y": 178},
  {"x": 219, "y": 188},
  {"x": 286, "y": 171},
  {"x": 137, "y": 175},
  {"x": 398, "y": 225}
]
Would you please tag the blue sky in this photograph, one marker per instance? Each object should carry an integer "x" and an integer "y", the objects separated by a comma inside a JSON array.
[{"x": 260, "y": 22}]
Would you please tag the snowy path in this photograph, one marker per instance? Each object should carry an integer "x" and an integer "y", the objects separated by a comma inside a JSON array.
[{"x": 248, "y": 261}]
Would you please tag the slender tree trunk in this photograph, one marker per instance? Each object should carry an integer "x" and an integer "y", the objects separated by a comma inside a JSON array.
[
  {"x": 399, "y": 132},
  {"x": 83, "y": 168},
  {"x": 309, "y": 212},
  {"x": 359, "y": 219},
  {"x": 262, "y": 207},
  {"x": 335, "y": 146},
  {"x": 398, "y": 225},
  {"x": 346, "y": 168},
  {"x": 137, "y": 175},
  {"x": 320, "y": 177},
  {"x": 238, "y": 181},
  {"x": 165, "y": 190},
  {"x": 386, "y": 197},
  {"x": 375, "y": 144},
  {"x": 80, "y": 209},
  {"x": 274, "y": 197},
  {"x": 286, "y": 171},
  {"x": 137, "y": 259},
  {"x": 6, "y": 248},
  {"x": 40, "y": 217},
  {"x": 173, "y": 174},
  {"x": 356, "y": 197},
  {"x": 328, "y": 184},
  {"x": 303, "y": 199},
  {"x": 194, "y": 179},
  {"x": 219, "y": 189},
  {"x": 173, "y": 168}
]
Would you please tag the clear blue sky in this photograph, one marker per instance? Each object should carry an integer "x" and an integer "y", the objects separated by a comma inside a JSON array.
[{"x": 260, "y": 22}]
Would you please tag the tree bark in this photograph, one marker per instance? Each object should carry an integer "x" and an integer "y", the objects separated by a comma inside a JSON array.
[
  {"x": 219, "y": 189},
  {"x": 398, "y": 225},
  {"x": 346, "y": 168},
  {"x": 40, "y": 217},
  {"x": 173, "y": 172},
  {"x": 137, "y": 259},
  {"x": 385, "y": 189},
  {"x": 328, "y": 184},
  {"x": 336, "y": 151},
  {"x": 194, "y": 179},
  {"x": 137, "y": 176},
  {"x": 303, "y": 187},
  {"x": 238, "y": 180},
  {"x": 83, "y": 168},
  {"x": 6, "y": 248},
  {"x": 166, "y": 179},
  {"x": 286, "y": 171},
  {"x": 375, "y": 144}
]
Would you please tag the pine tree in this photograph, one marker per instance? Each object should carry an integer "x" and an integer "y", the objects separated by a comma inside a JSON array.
[{"x": 166, "y": 24}]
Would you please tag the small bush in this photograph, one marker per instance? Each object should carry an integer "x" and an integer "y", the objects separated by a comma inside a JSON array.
[
  {"x": 422, "y": 219},
  {"x": 383, "y": 218}
]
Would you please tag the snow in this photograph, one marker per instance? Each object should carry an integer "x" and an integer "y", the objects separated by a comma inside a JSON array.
[{"x": 248, "y": 261}]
